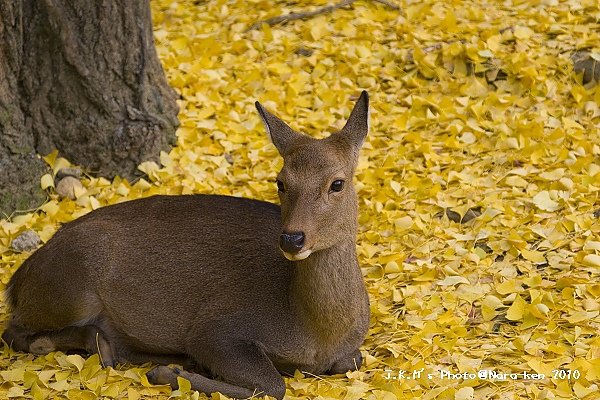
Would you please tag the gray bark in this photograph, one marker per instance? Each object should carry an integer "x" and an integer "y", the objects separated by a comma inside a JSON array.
[{"x": 83, "y": 78}]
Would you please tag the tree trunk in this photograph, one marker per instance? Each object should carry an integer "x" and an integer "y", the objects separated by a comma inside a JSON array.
[{"x": 84, "y": 78}]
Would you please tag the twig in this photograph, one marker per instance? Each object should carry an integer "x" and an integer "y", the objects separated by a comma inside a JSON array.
[
  {"x": 318, "y": 11},
  {"x": 99, "y": 352},
  {"x": 389, "y": 4},
  {"x": 301, "y": 15}
]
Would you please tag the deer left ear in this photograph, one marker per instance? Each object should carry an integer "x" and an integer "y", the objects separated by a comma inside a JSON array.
[{"x": 357, "y": 126}]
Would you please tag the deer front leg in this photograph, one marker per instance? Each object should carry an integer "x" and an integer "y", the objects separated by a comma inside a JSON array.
[
  {"x": 130, "y": 356},
  {"x": 350, "y": 362},
  {"x": 244, "y": 367}
]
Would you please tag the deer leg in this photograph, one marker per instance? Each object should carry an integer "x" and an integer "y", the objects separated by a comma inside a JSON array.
[
  {"x": 244, "y": 367},
  {"x": 349, "y": 362},
  {"x": 17, "y": 337},
  {"x": 133, "y": 357},
  {"x": 166, "y": 375},
  {"x": 87, "y": 338}
]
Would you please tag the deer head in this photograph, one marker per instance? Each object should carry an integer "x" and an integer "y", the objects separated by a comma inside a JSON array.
[{"x": 319, "y": 208}]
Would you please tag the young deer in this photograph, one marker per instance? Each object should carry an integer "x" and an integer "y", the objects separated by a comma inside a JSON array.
[{"x": 200, "y": 281}]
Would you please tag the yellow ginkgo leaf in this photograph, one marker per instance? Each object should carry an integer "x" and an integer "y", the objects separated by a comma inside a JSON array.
[
  {"x": 543, "y": 201},
  {"x": 517, "y": 310},
  {"x": 592, "y": 260},
  {"x": 46, "y": 181}
]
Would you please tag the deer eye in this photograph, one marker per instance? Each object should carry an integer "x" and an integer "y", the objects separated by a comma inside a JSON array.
[
  {"x": 280, "y": 186},
  {"x": 337, "y": 186}
]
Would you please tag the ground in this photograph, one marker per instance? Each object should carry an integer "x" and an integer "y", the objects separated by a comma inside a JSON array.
[{"x": 478, "y": 185}]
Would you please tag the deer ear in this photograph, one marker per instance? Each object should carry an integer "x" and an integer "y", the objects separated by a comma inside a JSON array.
[
  {"x": 357, "y": 126},
  {"x": 280, "y": 133}
]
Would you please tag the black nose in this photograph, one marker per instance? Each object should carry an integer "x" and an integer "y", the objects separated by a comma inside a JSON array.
[{"x": 291, "y": 242}]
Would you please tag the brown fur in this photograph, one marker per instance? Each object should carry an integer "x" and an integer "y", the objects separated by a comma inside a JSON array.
[{"x": 199, "y": 280}]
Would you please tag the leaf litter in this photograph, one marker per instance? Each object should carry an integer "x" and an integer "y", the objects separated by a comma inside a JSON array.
[{"x": 479, "y": 184}]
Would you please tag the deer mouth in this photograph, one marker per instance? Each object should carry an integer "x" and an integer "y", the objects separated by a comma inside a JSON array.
[{"x": 298, "y": 256}]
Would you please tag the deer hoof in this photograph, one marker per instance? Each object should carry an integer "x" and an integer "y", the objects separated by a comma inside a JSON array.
[
  {"x": 162, "y": 375},
  {"x": 42, "y": 345}
]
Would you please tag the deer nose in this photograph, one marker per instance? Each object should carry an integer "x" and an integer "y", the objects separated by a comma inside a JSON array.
[{"x": 291, "y": 242}]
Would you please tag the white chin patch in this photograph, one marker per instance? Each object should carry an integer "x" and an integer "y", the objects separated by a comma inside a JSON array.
[{"x": 297, "y": 257}]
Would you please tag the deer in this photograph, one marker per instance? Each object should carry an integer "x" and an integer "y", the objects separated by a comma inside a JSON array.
[{"x": 236, "y": 292}]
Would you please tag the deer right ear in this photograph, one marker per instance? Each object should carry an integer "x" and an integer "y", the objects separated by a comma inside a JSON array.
[
  {"x": 357, "y": 126},
  {"x": 280, "y": 133}
]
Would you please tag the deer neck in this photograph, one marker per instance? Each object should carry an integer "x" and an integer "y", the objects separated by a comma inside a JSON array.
[{"x": 328, "y": 292}]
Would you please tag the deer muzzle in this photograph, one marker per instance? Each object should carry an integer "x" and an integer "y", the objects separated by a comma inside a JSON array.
[{"x": 291, "y": 244}]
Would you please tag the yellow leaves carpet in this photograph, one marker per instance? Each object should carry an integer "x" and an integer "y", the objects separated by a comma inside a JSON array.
[{"x": 478, "y": 184}]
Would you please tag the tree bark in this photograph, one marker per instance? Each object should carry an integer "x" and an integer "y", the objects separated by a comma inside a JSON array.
[{"x": 83, "y": 78}]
